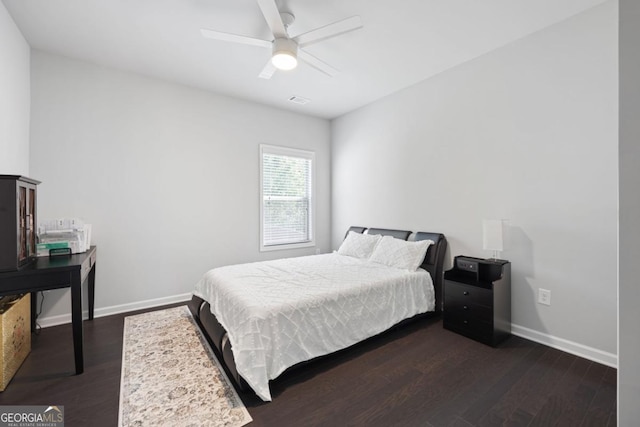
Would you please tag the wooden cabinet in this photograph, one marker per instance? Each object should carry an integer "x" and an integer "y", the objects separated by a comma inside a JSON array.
[
  {"x": 477, "y": 299},
  {"x": 18, "y": 207}
]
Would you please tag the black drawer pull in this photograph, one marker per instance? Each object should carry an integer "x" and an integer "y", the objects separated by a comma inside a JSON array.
[
  {"x": 466, "y": 322},
  {"x": 464, "y": 307},
  {"x": 465, "y": 293}
]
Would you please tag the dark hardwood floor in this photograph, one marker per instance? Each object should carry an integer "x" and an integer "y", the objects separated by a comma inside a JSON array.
[{"x": 416, "y": 375}]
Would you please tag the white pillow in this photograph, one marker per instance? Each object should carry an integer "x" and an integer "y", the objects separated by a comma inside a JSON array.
[
  {"x": 359, "y": 245},
  {"x": 399, "y": 253}
]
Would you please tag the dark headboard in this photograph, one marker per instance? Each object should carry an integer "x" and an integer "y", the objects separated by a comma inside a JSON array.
[{"x": 433, "y": 260}]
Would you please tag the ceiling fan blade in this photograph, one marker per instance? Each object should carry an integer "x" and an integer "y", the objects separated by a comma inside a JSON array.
[
  {"x": 317, "y": 64},
  {"x": 228, "y": 37},
  {"x": 328, "y": 31},
  {"x": 272, "y": 16},
  {"x": 267, "y": 71}
]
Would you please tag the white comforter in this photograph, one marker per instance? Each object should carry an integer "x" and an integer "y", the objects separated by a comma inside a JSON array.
[{"x": 279, "y": 313}]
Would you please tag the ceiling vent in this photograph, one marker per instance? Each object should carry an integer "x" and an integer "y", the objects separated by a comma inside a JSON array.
[{"x": 299, "y": 100}]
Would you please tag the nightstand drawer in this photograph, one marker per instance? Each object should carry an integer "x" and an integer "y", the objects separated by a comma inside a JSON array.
[
  {"x": 469, "y": 311},
  {"x": 461, "y": 294},
  {"x": 482, "y": 329}
]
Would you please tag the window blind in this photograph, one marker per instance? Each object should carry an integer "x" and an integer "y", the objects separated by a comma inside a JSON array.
[{"x": 286, "y": 197}]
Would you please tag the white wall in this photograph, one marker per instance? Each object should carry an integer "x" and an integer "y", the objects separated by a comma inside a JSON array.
[
  {"x": 14, "y": 98},
  {"x": 167, "y": 175},
  {"x": 527, "y": 132},
  {"x": 629, "y": 315}
]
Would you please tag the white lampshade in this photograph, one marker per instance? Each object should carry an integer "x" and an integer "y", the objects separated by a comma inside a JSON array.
[
  {"x": 285, "y": 54},
  {"x": 492, "y": 235}
]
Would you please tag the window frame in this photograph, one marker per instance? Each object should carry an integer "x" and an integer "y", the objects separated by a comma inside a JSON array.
[{"x": 289, "y": 152}]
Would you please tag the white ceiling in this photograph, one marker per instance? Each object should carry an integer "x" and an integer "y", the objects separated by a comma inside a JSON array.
[{"x": 402, "y": 42}]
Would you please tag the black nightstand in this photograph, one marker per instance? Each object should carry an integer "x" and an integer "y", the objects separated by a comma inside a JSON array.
[{"x": 477, "y": 299}]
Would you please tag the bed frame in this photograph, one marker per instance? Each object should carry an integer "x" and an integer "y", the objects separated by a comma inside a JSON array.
[{"x": 217, "y": 335}]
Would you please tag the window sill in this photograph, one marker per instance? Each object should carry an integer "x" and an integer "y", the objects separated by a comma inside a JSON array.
[{"x": 287, "y": 246}]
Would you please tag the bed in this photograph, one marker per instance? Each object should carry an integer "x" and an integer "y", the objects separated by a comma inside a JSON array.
[{"x": 265, "y": 317}]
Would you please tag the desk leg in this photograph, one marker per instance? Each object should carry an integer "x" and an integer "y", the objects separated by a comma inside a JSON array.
[
  {"x": 92, "y": 289},
  {"x": 34, "y": 310},
  {"x": 76, "y": 319}
]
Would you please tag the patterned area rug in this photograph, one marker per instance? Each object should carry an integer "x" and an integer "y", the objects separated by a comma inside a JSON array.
[{"x": 170, "y": 376}]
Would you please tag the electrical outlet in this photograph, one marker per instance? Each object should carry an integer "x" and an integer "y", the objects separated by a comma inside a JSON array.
[{"x": 544, "y": 296}]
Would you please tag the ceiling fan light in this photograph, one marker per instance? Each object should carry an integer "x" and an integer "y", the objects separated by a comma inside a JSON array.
[
  {"x": 285, "y": 55},
  {"x": 284, "y": 61}
]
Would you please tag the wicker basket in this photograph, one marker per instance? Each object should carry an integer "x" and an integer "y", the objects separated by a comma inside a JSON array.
[{"x": 15, "y": 329}]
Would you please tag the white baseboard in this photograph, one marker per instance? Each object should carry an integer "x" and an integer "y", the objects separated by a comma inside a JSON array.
[
  {"x": 61, "y": 319},
  {"x": 567, "y": 346},
  {"x": 590, "y": 353}
]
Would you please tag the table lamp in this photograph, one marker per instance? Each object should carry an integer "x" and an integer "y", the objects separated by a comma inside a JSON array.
[{"x": 492, "y": 236}]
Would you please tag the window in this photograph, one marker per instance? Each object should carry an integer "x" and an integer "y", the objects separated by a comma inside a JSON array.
[{"x": 286, "y": 198}]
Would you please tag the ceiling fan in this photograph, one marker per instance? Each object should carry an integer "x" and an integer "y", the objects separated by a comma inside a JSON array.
[{"x": 287, "y": 50}]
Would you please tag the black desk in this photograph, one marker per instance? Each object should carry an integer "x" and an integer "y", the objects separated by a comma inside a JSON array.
[{"x": 47, "y": 273}]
